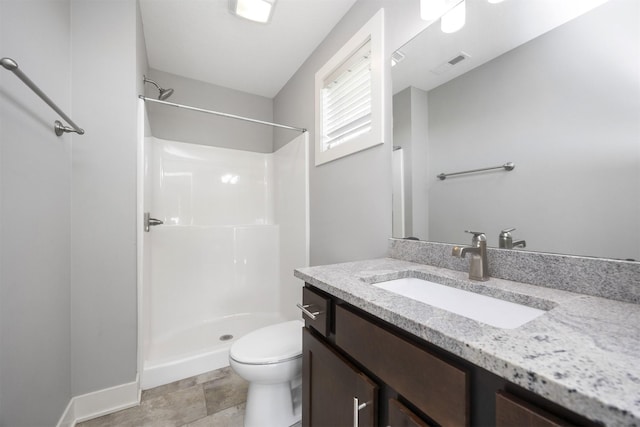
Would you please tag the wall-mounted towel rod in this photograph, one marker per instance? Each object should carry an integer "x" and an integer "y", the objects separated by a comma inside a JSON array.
[
  {"x": 58, "y": 127},
  {"x": 217, "y": 113},
  {"x": 507, "y": 167}
]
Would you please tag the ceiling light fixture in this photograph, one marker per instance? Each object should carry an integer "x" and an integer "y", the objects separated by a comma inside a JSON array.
[
  {"x": 454, "y": 19},
  {"x": 253, "y": 10}
]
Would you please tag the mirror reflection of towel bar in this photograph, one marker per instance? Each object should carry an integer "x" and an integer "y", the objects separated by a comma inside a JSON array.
[{"x": 509, "y": 166}]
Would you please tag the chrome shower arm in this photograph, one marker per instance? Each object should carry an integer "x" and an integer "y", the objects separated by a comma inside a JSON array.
[{"x": 146, "y": 80}]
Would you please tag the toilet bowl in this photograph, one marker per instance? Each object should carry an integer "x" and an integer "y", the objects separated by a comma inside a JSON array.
[{"x": 270, "y": 359}]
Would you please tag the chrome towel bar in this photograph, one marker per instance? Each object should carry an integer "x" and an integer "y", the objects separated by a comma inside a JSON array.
[
  {"x": 509, "y": 166},
  {"x": 58, "y": 127}
]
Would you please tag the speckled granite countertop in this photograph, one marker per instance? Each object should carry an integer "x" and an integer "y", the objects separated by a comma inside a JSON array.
[{"x": 583, "y": 354}]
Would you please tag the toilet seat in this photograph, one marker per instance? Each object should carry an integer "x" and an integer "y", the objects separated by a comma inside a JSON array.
[{"x": 271, "y": 344}]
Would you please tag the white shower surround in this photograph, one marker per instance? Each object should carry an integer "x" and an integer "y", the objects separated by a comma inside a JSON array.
[{"x": 236, "y": 225}]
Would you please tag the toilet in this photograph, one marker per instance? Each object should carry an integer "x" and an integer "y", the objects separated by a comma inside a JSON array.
[{"x": 270, "y": 359}]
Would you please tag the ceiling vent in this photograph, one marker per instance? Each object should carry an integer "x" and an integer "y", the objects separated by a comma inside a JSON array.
[
  {"x": 397, "y": 57},
  {"x": 446, "y": 66}
]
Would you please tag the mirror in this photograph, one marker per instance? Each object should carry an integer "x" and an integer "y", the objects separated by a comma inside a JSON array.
[{"x": 550, "y": 85}]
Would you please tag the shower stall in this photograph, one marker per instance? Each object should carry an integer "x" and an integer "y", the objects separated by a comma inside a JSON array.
[{"x": 234, "y": 226}]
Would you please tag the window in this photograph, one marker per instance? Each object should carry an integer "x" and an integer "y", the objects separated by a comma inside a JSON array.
[
  {"x": 346, "y": 100},
  {"x": 349, "y": 96}
]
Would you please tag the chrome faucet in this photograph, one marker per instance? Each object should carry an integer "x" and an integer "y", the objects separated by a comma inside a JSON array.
[
  {"x": 478, "y": 266},
  {"x": 505, "y": 241}
]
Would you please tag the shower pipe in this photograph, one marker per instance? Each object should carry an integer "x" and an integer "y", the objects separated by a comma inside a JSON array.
[
  {"x": 217, "y": 113},
  {"x": 58, "y": 127}
]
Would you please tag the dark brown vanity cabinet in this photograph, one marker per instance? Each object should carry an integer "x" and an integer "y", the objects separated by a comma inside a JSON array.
[
  {"x": 361, "y": 371},
  {"x": 356, "y": 373}
]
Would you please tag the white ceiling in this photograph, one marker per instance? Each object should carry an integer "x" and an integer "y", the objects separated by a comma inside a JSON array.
[{"x": 202, "y": 40}]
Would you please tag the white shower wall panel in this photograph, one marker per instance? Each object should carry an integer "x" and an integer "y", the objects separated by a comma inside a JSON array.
[
  {"x": 202, "y": 185},
  {"x": 291, "y": 206},
  {"x": 204, "y": 273}
]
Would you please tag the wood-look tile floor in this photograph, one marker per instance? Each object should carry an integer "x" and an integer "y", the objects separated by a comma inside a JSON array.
[{"x": 216, "y": 398}]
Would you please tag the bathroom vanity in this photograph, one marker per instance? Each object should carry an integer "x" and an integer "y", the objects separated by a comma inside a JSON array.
[{"x": 372, "y": 357}]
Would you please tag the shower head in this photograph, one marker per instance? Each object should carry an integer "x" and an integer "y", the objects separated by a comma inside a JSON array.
[{"x": 164, "y": 93}]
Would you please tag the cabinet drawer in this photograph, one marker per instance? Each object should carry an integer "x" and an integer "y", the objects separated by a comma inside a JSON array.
[
  {"x": 512, "y": 411},
  {"x": 434, "y": 386},
  {"x": 318, "y": 307},
  {"x": 401, "y": 416}
]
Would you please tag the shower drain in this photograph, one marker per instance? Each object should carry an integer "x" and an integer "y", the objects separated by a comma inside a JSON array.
[{"x": 226, "y": 337}]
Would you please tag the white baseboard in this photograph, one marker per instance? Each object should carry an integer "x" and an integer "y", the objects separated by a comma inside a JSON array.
[
  {"x": 101, "y": 402},
  {"x": 68, "y": 418}
]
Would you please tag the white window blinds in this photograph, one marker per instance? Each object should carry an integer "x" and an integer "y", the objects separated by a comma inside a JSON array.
[
  {"x": 349, "y": 95},
  {"x": 347, "y": 100}
]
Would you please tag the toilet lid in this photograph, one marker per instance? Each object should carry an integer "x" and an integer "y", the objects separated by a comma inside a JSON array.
[{"x": 271, "y": 344}]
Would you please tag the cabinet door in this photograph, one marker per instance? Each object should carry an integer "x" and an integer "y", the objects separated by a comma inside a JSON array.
[
  {"x": 512, "y": 411},
  {"x": 334, "y": 392},
  {"x": 401, "y": 416}
]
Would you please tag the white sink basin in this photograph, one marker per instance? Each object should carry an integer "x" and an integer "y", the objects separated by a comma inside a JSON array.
[{"x": 489, "y": 310}]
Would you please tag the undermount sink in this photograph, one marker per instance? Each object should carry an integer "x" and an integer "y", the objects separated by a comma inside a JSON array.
[{"x": 489, "y": 310}]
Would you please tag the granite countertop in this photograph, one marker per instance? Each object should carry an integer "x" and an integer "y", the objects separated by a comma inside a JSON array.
[{"x": 583, "y": 353}]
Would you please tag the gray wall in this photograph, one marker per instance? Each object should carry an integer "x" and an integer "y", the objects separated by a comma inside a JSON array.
[
  {"x": 206, "y": 129},
  {"x": 564, "y": 107},
  {"x": 103, "y": 295},
  {"x": 35, "y": 227},
  {"x": 67, "y": 212},
  {"x": 350, "y": 198}
]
